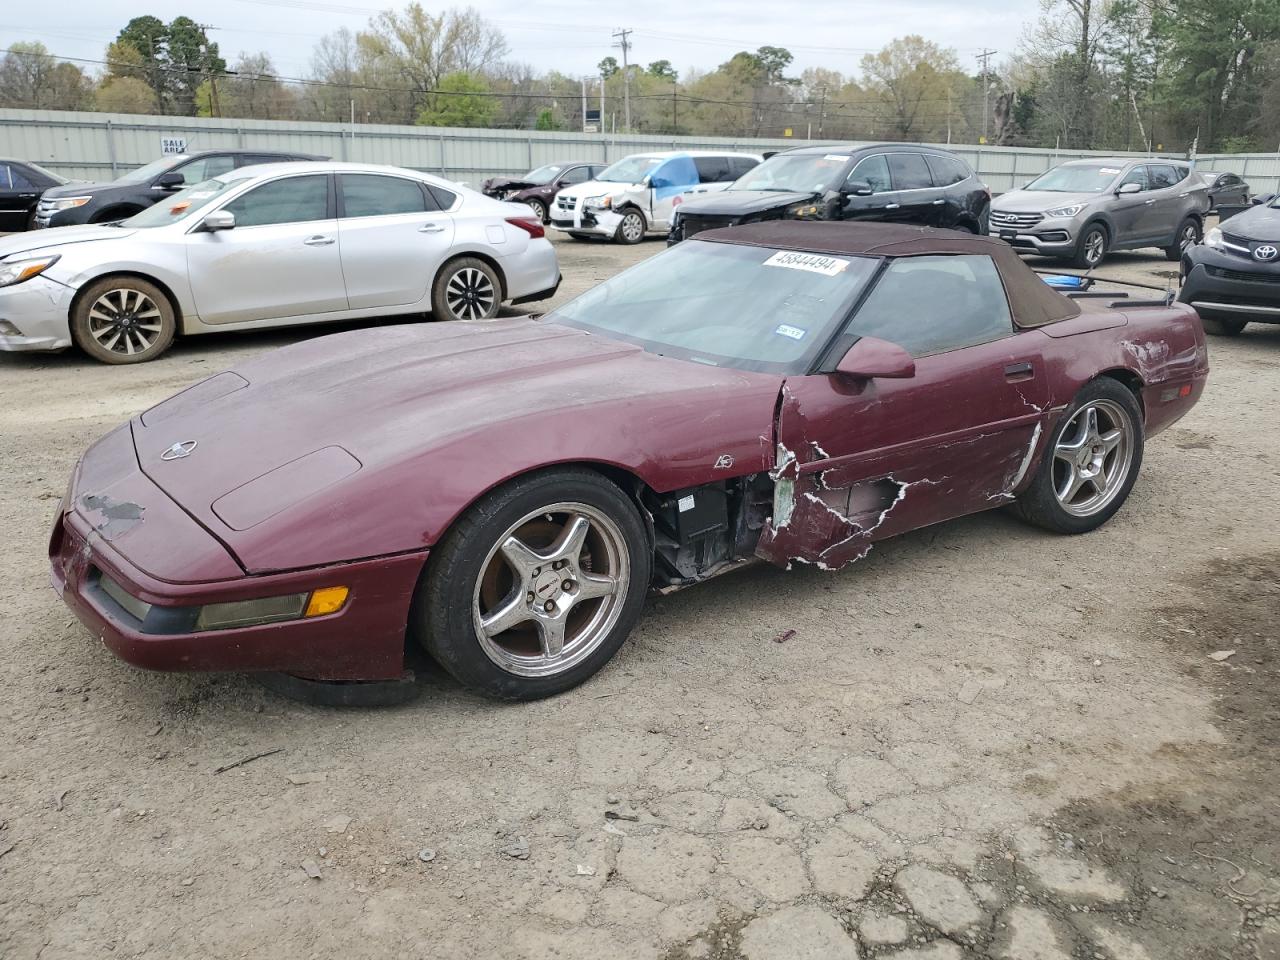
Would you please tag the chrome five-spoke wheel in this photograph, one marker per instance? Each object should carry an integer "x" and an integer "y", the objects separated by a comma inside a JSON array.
[
  {"x": 125, "y": 321},
  {"x": 551, "y": 589},
  {"x": 1092, "y": 458}
]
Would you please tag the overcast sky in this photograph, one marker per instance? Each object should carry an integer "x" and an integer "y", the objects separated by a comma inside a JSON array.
[{"x": 569, "y": 35}]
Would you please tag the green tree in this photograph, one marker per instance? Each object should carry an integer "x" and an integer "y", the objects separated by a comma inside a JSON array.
[
  {"x": 174, "y": 59},
  {"x": 125, "y": 95},
  {"x": 663, "y": 70},
  {"x": 546, "y": 120},
  {"x": 913, "y": 81},
  {"x": 462, "y": 100},
  {"x": 33, "y": 78},
  {"x": 608, "y": 67}
]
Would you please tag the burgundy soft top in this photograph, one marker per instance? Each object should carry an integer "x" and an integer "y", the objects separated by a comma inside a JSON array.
[{"x": 1031, "y": 300}]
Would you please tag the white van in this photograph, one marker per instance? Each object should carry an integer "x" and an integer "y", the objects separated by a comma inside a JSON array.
[{"x": 637, "y": 194}]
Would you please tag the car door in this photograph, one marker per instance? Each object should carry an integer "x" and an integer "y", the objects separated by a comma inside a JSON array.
[
  {"x": 18, "y": 197},
  {"x": 916, "y": 193},
  {"x": 873, "y": 171},
  {"x": 673, "y": 178},
  {"x": 951, "y": 201},
  {"x": 393, "y": 237},
  {"x": 280, "y": 260},
  {"x": 1129, "y": 209},
  {"x": 1168, "y": 204},
  {"x": 877, "y": 457}
]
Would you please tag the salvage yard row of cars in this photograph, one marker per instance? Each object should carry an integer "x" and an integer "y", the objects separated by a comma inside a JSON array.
[{"x": 789, "y": 382}]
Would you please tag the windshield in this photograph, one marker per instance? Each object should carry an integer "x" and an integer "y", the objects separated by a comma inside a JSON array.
[
  {"x": 542, "y": 175},
  {"x": 751, "y": 308},
  {"x": 1077, "y": 178},
  {"x": 795, "y": 173},
  {"x": 630, "y": 169},
  {"x": 152, "y": 169},
  {"x": 182, "y": 204}
]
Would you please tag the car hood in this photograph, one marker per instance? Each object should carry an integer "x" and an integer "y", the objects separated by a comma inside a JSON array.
[
  {"x": 600, "y": 188},
  {"x": 1038, "y": 201},
  {"x": 79, "y": 189},
  {"x": 59, "y": 237},
  {"x": 1256, "y": 223},
  {"x": 739, "y": 202},
  {"x": 369, "y": 443},
  {"x": 506, "y": 183}
]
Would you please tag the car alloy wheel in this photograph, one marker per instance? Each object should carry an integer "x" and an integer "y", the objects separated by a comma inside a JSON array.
[
  {"x": 124, "y": 321},
  {"x": 551, "y": 589},
  {"x": 470, "y": 294},
  {"x": 631, "y": 230},
  {"x": 1095, "y": 245},
  {"x": 1092, "y": 458},
  {"x": 539, "y": 210}
]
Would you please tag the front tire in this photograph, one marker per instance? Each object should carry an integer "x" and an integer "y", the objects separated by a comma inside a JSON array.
[
  {"x": 466, "y": 289},
  {"x": 632, "y": 228},
  {"x": 1188, "y": 235},
  {"x": 536, "y": 587},
  {"x": 539, "y": 210},
  {"x": 123, "y": 320},
  {"x": 1091, "y": 462},
  {"x": 1091, "y": 247},
  {"x": 1219, "y": 327}
]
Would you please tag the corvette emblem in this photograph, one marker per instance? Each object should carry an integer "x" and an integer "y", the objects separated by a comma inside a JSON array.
[
  {"x": 1265, "y": 253},
  {"x": 179, "y": 450}
]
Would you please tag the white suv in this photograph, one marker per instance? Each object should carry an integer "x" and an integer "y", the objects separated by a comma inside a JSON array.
[{"x": 637, "y": 194}]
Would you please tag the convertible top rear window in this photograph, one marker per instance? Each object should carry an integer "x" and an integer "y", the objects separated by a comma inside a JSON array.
[{"x": 747, "y": 307}]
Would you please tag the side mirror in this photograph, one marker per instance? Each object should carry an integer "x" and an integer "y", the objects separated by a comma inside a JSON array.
[
  {"x": 1128, "y": 188},
  {"x": 858, "y": 188},
  {"x": 172, "y": 180},
  {"x": 870, "y": 358},
  {"x": 219, "y": 220}
]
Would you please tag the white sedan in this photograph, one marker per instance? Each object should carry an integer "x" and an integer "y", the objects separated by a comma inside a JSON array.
[{"x": 271, "y": 246}]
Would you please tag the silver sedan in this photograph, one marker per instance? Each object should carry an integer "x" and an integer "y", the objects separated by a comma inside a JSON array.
[{"x": 271, "y": 246}]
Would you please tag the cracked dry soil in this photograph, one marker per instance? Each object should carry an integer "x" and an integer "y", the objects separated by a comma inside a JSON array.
[{"x": 980, "y": 741}]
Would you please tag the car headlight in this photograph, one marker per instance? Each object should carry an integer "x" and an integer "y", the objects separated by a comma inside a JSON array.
[
  {"x": 1068, "y": 211},
  {"x": 68, "y": 203},
  {"x": 598, "y": 203},
  {"x": 1213, "y": 238},
  {"x": 803, "y": 210},
  {"x": 15, "y": 271}
]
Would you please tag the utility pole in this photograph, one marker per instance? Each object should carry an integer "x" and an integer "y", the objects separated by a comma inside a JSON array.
[
  {"x": 822, "y": 109},
  {"x": 985, "y": 58},
  {"x": 584, "y": 104},
  {"x": 675, "y": 108},
  {"x": 622, "y": 34}
]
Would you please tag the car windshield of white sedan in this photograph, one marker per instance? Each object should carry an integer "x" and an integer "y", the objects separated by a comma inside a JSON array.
[
  {"x": 1077, "y": 178},
  {"x": 182, "y": 204},
  {"x": 630, "y": 170},
  {"x": 797, "y": 173},
  {"x": 751, "y": 308}
]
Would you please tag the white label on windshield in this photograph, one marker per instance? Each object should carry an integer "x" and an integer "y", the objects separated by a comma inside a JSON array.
[
  {"x": 201, "y": 194},
  {"x": 786, "y": 330},
  {"x": 813, "y": 262},
  {"x": 836, "y": 157},
  {"x": 1108, "y": 171}
]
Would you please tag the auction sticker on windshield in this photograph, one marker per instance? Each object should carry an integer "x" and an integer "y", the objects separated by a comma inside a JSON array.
[{"x": 814, "y": 263}]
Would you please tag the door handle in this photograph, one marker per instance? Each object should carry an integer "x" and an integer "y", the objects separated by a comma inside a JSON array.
[
  {"x": 318, "y": 241},
  {"x": 1019, "y": 371},
  {"x": 892, "y": 206},
  {"x": 938, "y": 203},
  {"x": 431, "y": 228},
  {"x": 1148, "y": 202}
]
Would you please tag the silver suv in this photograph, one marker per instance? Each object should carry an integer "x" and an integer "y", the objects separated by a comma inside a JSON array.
[{"x": 1083, "y": 209}]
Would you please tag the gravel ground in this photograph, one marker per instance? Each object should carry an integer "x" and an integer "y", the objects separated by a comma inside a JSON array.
[{"x": 981, "y": 741}]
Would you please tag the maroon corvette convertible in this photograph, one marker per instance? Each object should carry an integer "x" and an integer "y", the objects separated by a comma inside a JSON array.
[{"x": 506, "y": 493}]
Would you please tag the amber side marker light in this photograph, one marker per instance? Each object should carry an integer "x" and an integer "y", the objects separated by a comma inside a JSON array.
[{"x": 326, "y": 600}]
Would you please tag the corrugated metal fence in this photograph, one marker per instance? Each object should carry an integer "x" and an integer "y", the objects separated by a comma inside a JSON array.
[{"x": 99, "y": 146}]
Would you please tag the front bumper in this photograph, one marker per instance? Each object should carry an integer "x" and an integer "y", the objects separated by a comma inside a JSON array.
[
  {"x": 594, "y": 223},
  {"x": 1222, "y": 285},
  {"x": 116, "y": 523},
  {"x": 34, "y": 315},
  {"x": 1049, "y": 237}
]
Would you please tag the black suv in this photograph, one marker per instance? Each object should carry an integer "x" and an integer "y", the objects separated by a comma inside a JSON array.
[
  {"x": 138, "y": 189},
  {"x": 897, "y": 183}
]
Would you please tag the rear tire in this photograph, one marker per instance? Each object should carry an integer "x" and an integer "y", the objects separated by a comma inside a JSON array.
[
  {"x": 1091, "y": 247},
  {"x": 1223, "y": 328},
  {"x": 466, "y": 289},
  {"x": 536, "y": 587},
  {"x": 632, "y": 228},
  {"x": 1091, "y": 461},
  {"x": 123, "y": 320},
  {"x": 1188, "y": 234}
]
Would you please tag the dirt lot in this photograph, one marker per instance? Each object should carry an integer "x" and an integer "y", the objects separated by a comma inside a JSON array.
[{"x": 983, "y": 740}]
